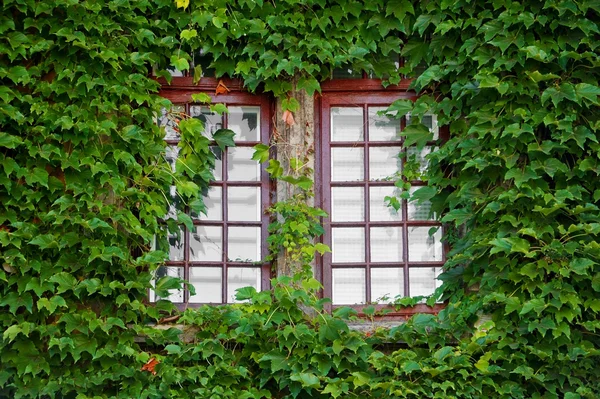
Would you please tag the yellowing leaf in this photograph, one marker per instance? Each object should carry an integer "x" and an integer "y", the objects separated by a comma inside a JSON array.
[{"x": 182, "y": 3}]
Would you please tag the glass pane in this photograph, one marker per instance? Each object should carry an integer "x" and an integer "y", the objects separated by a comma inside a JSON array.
[
  {"x": 419, "y": 211},
  {"x": 213, "y": 202},
  {"x": 386, "y": 244},
  {"x": 218, "y": 171},
  {"x": 347, "y": 124},
  {"x": 243, "y": 244},
  {"x": 206, "y": 244},
  {"x": 240, "y": 277},
  {"x": 388, "y": 282},
  {"x": 175, "y": 249},
  {"x": 422, "y": 280},
  {"x": 170, "y": 121},
  {"x": 212, "y": 121},
  {"x": 243, "y": 203},
  {"x": 175, "y": 72},
  {"x": 379, "y": 211},
  {"x": 208, "y": 282},
  {"x": 346, "y": 73},
  {"x": 240, "y": 166},
  {"x": 422, "y": 247},
  {"x": 170, "y": 271},
  {"x": 171, "y": 154},
  {"x": 348, "y": 244},
  {"x": 419, "y": 156},
  {"x": 175, "y": 203},
  {"x": 245, "y": 122},
  {"x": 384, "y": 162},
  {"x": 347, "y": 204},
  {"x": 348, "y": 286},
  {"x": 347, "y": 164},
  {"x": 382, "y": 128}
]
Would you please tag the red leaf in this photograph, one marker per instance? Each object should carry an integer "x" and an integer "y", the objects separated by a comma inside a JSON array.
[
  {"x": 149, "y": 366},
  {"x": 288, "y": 118},
  {"x": 221, "y": 88}
]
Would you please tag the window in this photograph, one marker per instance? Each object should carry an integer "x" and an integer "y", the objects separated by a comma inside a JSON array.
[
  {"x": 377, "y": 252},
  {"x": 226, "y": 248}
]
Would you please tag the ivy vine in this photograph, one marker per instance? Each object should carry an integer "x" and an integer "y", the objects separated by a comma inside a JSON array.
[{"x": 84, "y": 183}]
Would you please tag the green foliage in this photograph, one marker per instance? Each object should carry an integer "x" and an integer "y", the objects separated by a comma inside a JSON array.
[{"x": 84, "y": 183}]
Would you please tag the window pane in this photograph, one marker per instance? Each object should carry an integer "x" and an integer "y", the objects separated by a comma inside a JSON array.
[
  {"x": 422, "y": 280},
  {"x": 245, "y": 122},
  {"x": 243, "y": 244},
  {"x": 208, "y": 282},
  {"x": 347, "y": 124},
  {"x": 347, "y": 164},
  {"x": 347, "y": 204},
  {"x": 382, "y": 128},
  {"x": 170, "y": 121},
  {"x": 420, "y": 211},
  {"x": 170, "y": 271},
  {"x": 422, "y": 247},
  {"x": 386, "y": 244},
  {"x": 218, "y": 171},
  {"x": 384, "y": 162},
  {"x": 346, "y": 73},
  {"x": 213, "y": 202},
  {"x": 212, "y": 121},
  {"x": 379, "y": 211},
  {"x": 240, "y": 277},
  {"x": 206, "y": 244},
  {"x": 171, "y": 154},
  {"x": 419, "y": 156},
  {"x": 175, "y": 248},
  {"x": 348, "y": 244},
  {"x": 175, "y": 203},
  {"x": 348, "y": 286},
  {"x": 388, "y": 282},
  {"x": 243, "y": 203},
  {"x": 240, "y": 166}
]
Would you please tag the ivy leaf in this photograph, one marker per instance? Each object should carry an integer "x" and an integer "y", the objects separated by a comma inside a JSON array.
[
  {"x": 180, "y": 64},
  {"x": 245, "y": 293},
  {"x": 45, "y": 241},
  {"x": 361, "y": 378},
  {"x": 277, "y": 359},
  {"x": 37, "y": 175},
  {"x": 9, "y": 141},
  {"x": 261, "y": 153},
  {"x": 188, "y": 34},
  {"x": 418, "y": 134},
  {"x": 535, "y": 304},
  {"x": 330, "y": 330},
  {"x": 307, "y": 380},
  {"x": 310, "y": 84},
  {"x": 224, "y": 138},
  {"x": 65, "y": 281},
  {"x": 588, "y": 91},
  {"x": 164, "y": 284},
  {"x": 182, "y": 3},
  {"x": 201, "y": 98},
  {"x": 400, "y": 108},
  {"x": 274, "y": 169}
]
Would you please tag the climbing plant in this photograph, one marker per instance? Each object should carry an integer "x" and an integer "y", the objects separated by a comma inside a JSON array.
[{"x": 84, "y": 183}]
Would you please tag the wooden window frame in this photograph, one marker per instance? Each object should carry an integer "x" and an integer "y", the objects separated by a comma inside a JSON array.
[
  {"x": 363, "y": 93},
  {"x": 179, "y": 92}
]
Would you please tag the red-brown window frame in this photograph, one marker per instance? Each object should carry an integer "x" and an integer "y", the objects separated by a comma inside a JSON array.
[
  {"x": 179, "y": 92},
  {"x": 367, "y": 92}
]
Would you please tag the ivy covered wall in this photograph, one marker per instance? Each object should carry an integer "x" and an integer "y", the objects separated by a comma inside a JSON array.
[{"x": 83, "y": 184}]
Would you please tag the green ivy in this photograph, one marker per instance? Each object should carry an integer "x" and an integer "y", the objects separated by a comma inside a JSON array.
[{"x": 84, "y": 184}]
